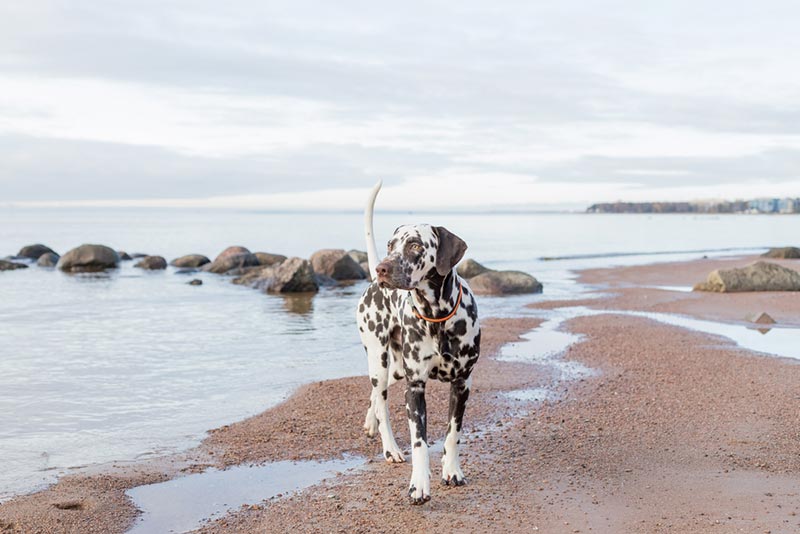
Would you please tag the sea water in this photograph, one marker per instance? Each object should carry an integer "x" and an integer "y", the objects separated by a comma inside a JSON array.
[{"x": 130, "y": 364}]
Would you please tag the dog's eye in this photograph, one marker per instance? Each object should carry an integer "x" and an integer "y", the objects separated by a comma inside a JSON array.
[{"x": 416, "y": 247}]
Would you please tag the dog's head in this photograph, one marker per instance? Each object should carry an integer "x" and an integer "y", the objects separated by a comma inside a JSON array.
[{"x": 417, "y": 252}]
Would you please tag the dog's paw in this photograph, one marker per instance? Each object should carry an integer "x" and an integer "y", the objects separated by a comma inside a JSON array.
[
  {"x": 418, "y": 497},
  {"x": 454, "y": 480},
  {"x": 419, "y": 487},
  {"x": 394, "y": 457},
  {"x": 453, "y": 476},
  {"x": 371, "y": 424}
]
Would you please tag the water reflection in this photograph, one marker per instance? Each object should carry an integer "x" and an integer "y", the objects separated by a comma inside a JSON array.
[
  {"x": 302, "y": 304},
  {"x": 763, "y": 330}
]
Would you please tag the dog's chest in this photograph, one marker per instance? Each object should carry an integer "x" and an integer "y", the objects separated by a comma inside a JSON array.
[{"x": 438, "y": 351}]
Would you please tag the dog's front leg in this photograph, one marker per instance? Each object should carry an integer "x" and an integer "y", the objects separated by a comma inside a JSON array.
[
  {"x": 451, "y": 467},
  {"x": 419, "y": 489}
]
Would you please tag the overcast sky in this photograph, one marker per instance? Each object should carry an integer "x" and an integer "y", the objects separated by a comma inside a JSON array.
[{"x": 452, "y": 104}]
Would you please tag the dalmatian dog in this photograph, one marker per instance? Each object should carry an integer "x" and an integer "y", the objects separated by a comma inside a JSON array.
[{"x": 418, "y": 320}]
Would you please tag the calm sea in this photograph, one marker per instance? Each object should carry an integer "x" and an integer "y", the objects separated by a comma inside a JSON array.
[{"x": 134, "y": 364}]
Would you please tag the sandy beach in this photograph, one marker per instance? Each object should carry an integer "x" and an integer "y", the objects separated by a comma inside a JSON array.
[{"x": 677, "y": 431}]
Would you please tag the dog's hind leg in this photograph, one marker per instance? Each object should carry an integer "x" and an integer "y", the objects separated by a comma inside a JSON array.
[
  {"x": 451, "y": 468},
  {"x": 378, "y": 412}
]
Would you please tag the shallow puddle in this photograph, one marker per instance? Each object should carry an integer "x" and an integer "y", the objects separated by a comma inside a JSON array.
[
  {"x": 778, "y": 341},
  {"x": 547, "y": 340},
  {"x": 679, "y": 289},
  {"x": 544, "y": 344},
  {"x": 184, "y": 504}
]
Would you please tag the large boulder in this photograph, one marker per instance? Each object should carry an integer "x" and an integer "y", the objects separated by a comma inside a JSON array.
[
  {"x": 34, "y": 251},
  {"x": 88, "y": 259},
  {"x": 190, "y": 260},
  {"x": 232, "y": 251},
  {"x": 152, "y": 263},
  {"x": 232, "y": 258},
  {"x": 6, "y": 265},
  {"x": 48, "y": 259},
  {"x": 470, "y": 268},
  {"x": 760, "y": 276},
  {"x": 336, "y": 264},
  {"x": 504, "y": 283},
  {"x": 359, "y": 256},
  {"x": 267, "y": 259},
  {"x": 365, "y": 267},
  {"x": 295, "y": 275},
  {"x": 783, "y": 253}
]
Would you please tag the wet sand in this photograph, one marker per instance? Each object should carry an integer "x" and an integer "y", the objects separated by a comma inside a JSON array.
[{"x": 678, "y": 432}]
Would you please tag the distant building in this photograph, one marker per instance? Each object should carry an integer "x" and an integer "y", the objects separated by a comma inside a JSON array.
[
  {"x": 789, "y": 205},
  {"x": 764, "y": 205},
  {"x": 758, "y": 205}
]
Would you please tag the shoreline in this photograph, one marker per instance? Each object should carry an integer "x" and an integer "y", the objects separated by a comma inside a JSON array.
[
  {"x": 94, "y": 499},
  {"x": 601, "y": 456}
]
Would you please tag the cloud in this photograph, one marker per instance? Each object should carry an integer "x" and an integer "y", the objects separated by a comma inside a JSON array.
[{"x": 199, "y": 100}]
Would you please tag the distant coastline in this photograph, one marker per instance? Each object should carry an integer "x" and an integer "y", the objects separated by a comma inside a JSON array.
[{"x": 755, "y": 206}]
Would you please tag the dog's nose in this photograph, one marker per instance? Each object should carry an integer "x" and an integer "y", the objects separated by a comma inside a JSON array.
[{"x": 384, "y": 268}]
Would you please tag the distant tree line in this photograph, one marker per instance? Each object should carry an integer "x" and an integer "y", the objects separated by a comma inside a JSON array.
[{"x": 760, "y": 205}]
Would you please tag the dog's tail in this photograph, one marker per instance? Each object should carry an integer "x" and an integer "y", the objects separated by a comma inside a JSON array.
[{"x": 372, "y": 250}]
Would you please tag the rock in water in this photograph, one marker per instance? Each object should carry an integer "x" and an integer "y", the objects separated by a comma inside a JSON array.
[
  {"x": 336, "y": 264},
  {"x": 232, "y": 251},
  {"x": 504, "y": 283},
  {"x": 267, "y": 259},
  {"x": 232, "y": 258},
  {"x": 48, "y": 259},
  {"x": 359, "y": 256},
  {"x": 294, "y": 275},
  {"x": 88, "y": 259},
  {"x": 785, "y": 253},
  {"x": 760, "y": 276},
  {"x": 470, "y": 268},
  {"x": 190, "y": 260},
  {"x": 764, "y": 318},
  {"x": 195, "y": 282},
  {"x": 34, "y": 252},
  {"x": 365, "y": 267},
  {"x": 11, "y": 266},
  {"x": 124, "y": 256},
  {"x": 152, "y": 263}
]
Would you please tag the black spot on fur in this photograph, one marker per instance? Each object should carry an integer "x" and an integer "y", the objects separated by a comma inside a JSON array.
[{"x": 459, "y": 328}]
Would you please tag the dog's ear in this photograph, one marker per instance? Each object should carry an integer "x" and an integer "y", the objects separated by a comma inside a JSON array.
[{"x": 451, "y": 250}]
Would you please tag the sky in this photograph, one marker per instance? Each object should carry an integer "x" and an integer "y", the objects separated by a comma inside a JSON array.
[{"x": 530, "y": 104}]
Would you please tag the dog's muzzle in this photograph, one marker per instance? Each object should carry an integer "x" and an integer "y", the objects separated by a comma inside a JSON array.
[{"x": 386, "y": 276}]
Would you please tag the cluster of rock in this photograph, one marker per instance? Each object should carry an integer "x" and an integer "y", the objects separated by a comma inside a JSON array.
[
  {"x": 278, "y": 274},
  {"x": 42, "y": 255},
  {"x": 270, "y": 272},
  {"x": 760, "y": 276},
  {"x": 485, "y": 281},
  {"x": 273, "y": 273}
]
